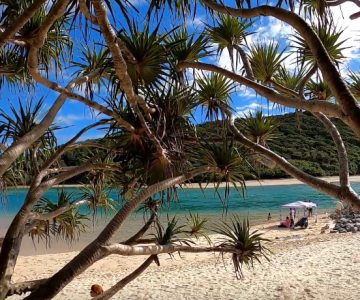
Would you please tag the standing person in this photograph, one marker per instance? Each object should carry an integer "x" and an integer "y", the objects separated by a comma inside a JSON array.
[
  {"x": 292, "y": 217},
  {"x": 269, "y": 217},
  {"x": 310, "y": 211}
]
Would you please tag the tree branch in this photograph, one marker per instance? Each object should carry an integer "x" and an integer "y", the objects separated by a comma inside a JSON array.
[
  {"x": 21, "y": 144},
  {"x": 132, "y": 240},
  {"x": 62, "y": 149},
  {"x": 20, "y": 288},
  {"x": 57, "y": 212},
  {"x": 341, "y": 150},
  {"x": 246, "y": 62},
  {"x": 126, "y": 250},
  {"x": 305, "y": 80},
  {"x": 15, "y": 26},
  {"x": 313, "y": 106},
  {"x": 121, "y": 71},
  {"x": 119, "y": 62},
  {"x": 86, "y": 12},
  {"x": 126, "y": 280},
  {"x": 331, "y": 74},
  {"x": 342, "y": 193}
]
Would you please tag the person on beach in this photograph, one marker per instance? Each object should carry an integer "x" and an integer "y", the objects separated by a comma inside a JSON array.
[
  {"x": 292, "y": 217},
  {"x": 269, "y": 217},
  {"x": 96, "y": 290},
  {"x": 286, "y": 223}
]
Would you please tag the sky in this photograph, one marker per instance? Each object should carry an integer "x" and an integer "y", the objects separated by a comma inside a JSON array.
[{"x": 74, "y": 116}]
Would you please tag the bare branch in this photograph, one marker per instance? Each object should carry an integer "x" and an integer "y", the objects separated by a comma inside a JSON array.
[
  {"x": 119, "y": 62},
  {"x": 341, "y": 150},
  {"x": 123, "y": 282},
  {"x": 127, "y": 250},
  {"x": 62, "y": 149},
  {"x": 246, "y": 62},
  {"x": 86, "y": 12},
  {"x": 14, "y": 27},
  {"x": 142, "y": 230},
  {"x": 121, "y": 71},
  {"x": 13, "y": 152},
  {"x": 57, "y": 212},
  {"x": 20, "y": 288},
  {"x": 328, "y": 108},
  {"x": 305, "y": 80},
  {"x": 343, "y": 193},
  {"x": 355, "y": 16},
  {"x": 339, "y": 2}
]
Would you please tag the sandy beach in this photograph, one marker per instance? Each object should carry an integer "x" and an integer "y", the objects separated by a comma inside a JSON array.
[
  {"x": 274, "y": 182},
  {"x": 305, "y": 264}
]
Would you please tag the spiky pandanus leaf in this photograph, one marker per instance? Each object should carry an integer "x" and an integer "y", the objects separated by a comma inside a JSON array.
[
  {"x": 185, "y": 47},
  {"x": 318, "y": 90},
  {"x": 266, "y": 60},
  {"x": 231, "y": 167},
  {"x": 67, "y": 226},
  {"x": 213, "y": 94},
  {"x": 13, "y": 68},
  {"x": 259, "y": 128},
  {"x": 316, "y": 8},
  {"x": 228, "y": 33},
  {"x": 289, "y": 79},
  {"x": 250, "y": 244},
  {"x": 147, "y": 64},
  {"x": 197, "y": 226},
  {"x": 332, "y": 39},
  {"x": 354, "y": 84},
  {"x": 172, "y": 234},
  {"x": 22, "y": 119}
]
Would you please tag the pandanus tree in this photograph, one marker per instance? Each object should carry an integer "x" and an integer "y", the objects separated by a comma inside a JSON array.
[{"x": 145, "y": 83}]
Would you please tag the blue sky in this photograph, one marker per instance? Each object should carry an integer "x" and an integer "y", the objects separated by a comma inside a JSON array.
[{"x": 73, "y": 116}]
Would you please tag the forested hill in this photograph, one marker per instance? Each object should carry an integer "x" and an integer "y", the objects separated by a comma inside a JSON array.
[{"x": 304, "y": 141}]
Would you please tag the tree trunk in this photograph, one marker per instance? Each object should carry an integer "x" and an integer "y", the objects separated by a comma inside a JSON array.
[{"x": 246, "y": 62}]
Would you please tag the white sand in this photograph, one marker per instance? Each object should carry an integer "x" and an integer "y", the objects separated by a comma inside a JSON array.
[
  {"x": 304, "y": 265},
  {"x": 272, "y": 182}
]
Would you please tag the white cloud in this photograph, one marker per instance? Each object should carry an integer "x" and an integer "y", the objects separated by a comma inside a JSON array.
[
  {"x": 242, "y": 111},
  {"x": 273, "y": 29},
  {"x": 342, "y": 15},
  {"x": 197, "y": 22},
  {"x": 71, "y": 119}
]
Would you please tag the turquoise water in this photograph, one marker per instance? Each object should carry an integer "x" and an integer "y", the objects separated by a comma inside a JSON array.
[{"x": 256, "y": 201}]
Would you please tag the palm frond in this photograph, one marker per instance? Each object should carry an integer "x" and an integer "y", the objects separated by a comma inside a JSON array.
[
  {"x": 213, "y": 94},
  {"x": 249, "y": 245},
  {"x": 266, "y": 60}
]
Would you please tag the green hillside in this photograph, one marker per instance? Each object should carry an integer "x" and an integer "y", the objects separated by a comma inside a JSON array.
[
  {"x": 305, "y": 143},
  {"x": 302, "y": 140}
]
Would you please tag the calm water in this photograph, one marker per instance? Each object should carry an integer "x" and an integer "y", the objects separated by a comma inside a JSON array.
[
  {"x": 256, "y": 200},
  {"x": 256, "y": 204}
]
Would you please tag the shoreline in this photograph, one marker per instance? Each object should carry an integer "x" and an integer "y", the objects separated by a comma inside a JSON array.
[{"x": 248, "y": 183}]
